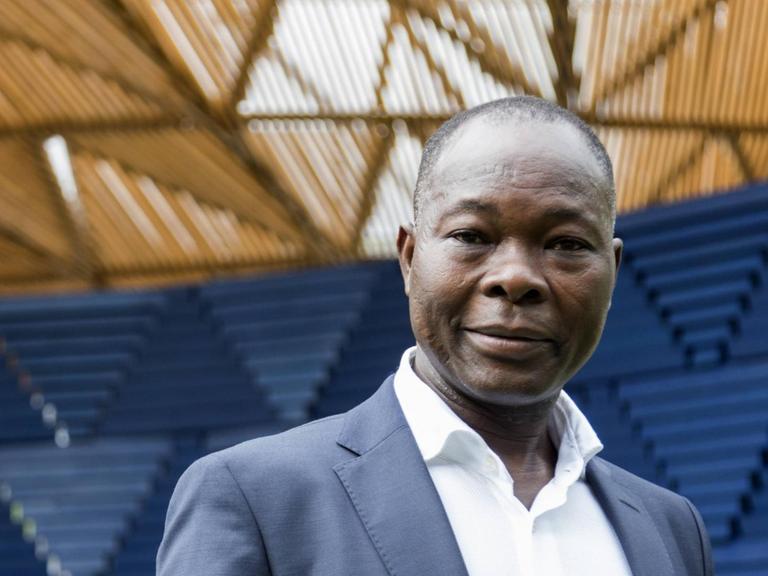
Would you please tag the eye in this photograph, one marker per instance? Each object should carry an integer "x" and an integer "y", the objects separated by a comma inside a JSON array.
[
  {"x": 569, "y": 245},
  {"x": 469, "y": 237}
]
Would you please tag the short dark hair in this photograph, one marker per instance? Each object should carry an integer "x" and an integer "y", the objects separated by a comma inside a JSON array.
[{"x": 522, "y": 108}]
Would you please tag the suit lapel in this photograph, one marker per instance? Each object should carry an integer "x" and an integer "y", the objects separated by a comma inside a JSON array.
[
  {"x": 392, "y": 492},
  {"x": 643, "y": 546}
]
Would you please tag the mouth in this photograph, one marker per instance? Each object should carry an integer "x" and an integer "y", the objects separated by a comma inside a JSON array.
[{"x": 510, "y": 343}]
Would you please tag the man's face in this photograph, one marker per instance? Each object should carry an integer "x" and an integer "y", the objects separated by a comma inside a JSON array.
[{"x": 511, "y": 268}]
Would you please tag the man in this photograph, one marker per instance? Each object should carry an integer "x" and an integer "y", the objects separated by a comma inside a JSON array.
[{"x": 470, "y": 460}]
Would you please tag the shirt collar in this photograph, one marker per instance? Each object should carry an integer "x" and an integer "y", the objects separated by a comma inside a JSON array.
[{"x": 441, "y": 434}]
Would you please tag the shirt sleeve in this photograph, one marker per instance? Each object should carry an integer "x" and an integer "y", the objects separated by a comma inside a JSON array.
[{"x": 210, "y": 529}]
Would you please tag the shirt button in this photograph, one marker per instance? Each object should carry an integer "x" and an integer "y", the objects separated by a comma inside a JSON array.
[{"x": 490, "y": 463}]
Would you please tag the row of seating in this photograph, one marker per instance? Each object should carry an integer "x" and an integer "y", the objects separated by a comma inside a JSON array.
[
  {"x": 701, "y": 265},
  {"x": 179, "y": 377},
  {"x": 19, "y": 420},
  {"x": 17, "y": 554},
  {"x": 708, "y": 430},
  {"x": 75, "y": 503},
  {"x": 288, "y": 330},
  {"x": 373, "y": 348},
  {"x": 187, "y": 379},
  {"x": 70, "y": 353}
]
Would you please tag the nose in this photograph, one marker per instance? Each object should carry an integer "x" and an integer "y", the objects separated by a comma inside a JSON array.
[{"x": 515, "y": 274}]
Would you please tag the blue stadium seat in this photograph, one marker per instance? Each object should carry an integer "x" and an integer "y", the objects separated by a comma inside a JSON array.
[
  {"x": 287, "y": 312},
  {"x": 693, "y": 232},
  {"x": 716, "y": 315},
  {"x": 71, "y": 349},
  {"x": 17, "y": 556},
  {"x": 374, "y": 347},
  {"x": 79, "y": 499},
  {"x": 177, "y": 386},
  {"x": 706, "y": 209},
  {"x": 701, "y": 254},
  {"x": 746, "y": 558},
  {"x": 696, "y": 296},
  {"x": 745, "y": 267},
  {"x": 77, "y": 307},
  {"x": 751, "y": 341},
  {"x": 708, "y": 430},
  {"x": 18, "y": 420}
]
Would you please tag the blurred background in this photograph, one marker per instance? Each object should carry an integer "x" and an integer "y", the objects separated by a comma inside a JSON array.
[{"x": 198, "y": 203}]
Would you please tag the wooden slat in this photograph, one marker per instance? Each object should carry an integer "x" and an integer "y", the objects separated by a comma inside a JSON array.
[
  {"x": 196, "y": 162},
  {"x": 262, "y": 30},
  {"x": 561, "y": 40},
  {"x": 96, "y": 41},
  {"x": 375, "y": 168},
  {"x": 659, "y": 46},
  {"x": 27, "y": 208},
  {"x": 490, "y": 59},
  {"x": 436, "y": 68}
]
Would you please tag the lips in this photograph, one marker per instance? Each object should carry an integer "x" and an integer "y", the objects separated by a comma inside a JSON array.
[
  {"x": 518, "y": 332},
  {"x": 510, "y": 342}
]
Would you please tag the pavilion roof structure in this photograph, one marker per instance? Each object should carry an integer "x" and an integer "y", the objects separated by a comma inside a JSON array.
[{"x": 148, "y": 142}]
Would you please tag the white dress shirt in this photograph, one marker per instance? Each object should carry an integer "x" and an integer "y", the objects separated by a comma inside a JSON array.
[{"x": 564, "y": 533}]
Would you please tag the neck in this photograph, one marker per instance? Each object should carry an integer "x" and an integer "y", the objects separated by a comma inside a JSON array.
[{"x": 518, "y": 434}]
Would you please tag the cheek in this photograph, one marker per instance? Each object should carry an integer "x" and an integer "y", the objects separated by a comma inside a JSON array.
[
  {"x": 588, "y": 326},
  {"x": 431, "y": 332},
  {"x": 436, "y": 296},
  {"x": 437, "y": 278},
  {"x": 585, "y": 297}
]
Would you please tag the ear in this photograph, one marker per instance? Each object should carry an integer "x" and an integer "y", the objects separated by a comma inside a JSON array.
[
  {"x": 618, "y": 251},
  {"x": 406, "y": 242}
]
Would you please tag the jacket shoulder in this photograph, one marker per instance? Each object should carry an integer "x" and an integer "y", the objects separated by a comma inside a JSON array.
[
  {"x": 296, "y": 453},
  {"x": 312, "y": 436},
  {"x": 655, "y": 497},
  {"x": 637, "y": 485}
]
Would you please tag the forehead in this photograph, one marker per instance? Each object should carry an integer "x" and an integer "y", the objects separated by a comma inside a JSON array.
[{"x": 549, "y": 157}]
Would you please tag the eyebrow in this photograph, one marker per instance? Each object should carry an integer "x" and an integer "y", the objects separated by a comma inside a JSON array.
[
  {"x": 561, "y": 213},
  {"x": 553, "y": 214},
  {"x": 470, "y": 205}
]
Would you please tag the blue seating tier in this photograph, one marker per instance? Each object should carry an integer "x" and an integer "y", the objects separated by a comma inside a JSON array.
[
  {"x": 75, "y": 502},
  {"x": 288, "y": 330}
]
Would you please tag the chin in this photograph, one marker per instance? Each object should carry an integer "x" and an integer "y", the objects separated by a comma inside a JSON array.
[{"x": 508, "y": 392}]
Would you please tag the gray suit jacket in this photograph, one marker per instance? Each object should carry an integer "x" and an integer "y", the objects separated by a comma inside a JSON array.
[{"x": 351, "y": 495}]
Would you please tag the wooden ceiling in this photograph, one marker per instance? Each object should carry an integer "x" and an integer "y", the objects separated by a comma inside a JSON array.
[{"x": 211, "y": 137}]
